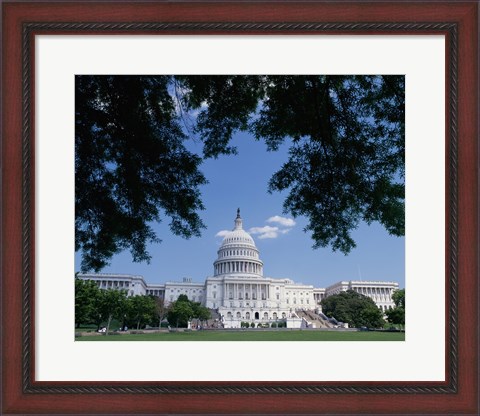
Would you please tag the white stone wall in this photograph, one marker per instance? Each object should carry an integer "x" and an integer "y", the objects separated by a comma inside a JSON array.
[
  {"x": 194, "y": 291},
  {"x": 133, "y": 285}
]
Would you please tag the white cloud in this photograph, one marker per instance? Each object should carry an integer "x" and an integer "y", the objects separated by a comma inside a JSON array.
[
  {"x": 285, "y": 222},
  {"x": 265, "y": 232},
  {"x": 268, "y": 231}
]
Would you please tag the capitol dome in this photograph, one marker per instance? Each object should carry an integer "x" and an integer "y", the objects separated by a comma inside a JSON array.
[
  {"x": 238, "y": 236},
  {"x": 238, "y": 253}
]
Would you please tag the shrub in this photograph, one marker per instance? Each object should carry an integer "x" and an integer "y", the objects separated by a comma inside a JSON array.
[
  {"x": 252, "y": 325},
  {"x": 274, "y": 325}
]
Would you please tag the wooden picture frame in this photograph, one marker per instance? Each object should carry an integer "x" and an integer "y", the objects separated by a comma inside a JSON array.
[{"x": 22, "y": 394}]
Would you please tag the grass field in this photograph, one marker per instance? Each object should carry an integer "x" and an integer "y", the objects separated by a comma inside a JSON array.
[{"x": 282, "y": 335}]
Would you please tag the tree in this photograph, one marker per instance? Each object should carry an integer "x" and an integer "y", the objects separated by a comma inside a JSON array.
[
  {"x": 86, "y": 291},
  {"x": 183, "y": 310},
  {"x": 397, "y": 314},
  {"x": 346, "y": 136},
  {"x": 130, "y": 167},
  {"x": 161, "y": 310},
  {"x": 354, "y": 308},
  {"x": 180, "y": 313},
  {"x": 398, "y": 298},
  {"x": 346, "y": 153},
  {"x": 112, "y": 304},
  {"x": 200, "y": 312},
  {"x": 141, "y": 309}
]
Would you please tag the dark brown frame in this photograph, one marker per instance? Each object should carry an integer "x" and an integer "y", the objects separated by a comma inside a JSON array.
[{"x": 22, "y": 394}]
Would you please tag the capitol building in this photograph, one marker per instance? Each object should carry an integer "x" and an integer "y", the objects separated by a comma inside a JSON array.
[{"x": 238, "y": 291}]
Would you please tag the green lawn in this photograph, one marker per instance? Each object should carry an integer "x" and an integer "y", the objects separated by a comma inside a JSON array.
[{"x": 281, "y": 335}]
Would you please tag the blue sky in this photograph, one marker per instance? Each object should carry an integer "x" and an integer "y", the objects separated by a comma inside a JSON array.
[{"x": 240, "y": 181}]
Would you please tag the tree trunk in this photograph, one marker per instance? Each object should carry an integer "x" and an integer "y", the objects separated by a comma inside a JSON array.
[{"x": 108, "y": 324}]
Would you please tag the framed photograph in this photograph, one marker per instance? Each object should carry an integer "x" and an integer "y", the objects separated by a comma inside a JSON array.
[{"x": 52, "y": 51}]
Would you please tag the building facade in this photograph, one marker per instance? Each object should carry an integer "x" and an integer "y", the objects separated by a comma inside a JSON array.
[{"x": 239, "y": 291}]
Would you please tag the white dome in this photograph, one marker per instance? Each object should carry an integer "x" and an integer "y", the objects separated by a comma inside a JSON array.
[
  {"x": 238, "y": 252},
  {"x": 238, "y": 236}
]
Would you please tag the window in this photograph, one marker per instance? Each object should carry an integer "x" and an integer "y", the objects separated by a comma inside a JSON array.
[
  {"x": 214, "y": 295},
  {"x": 278, "y": 296}
]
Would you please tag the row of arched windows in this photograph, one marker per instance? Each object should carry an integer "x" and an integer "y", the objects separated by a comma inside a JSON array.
[{"x": 255, "y": 315}]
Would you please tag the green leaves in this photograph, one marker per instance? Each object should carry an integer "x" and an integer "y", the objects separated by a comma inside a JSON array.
[
  {"x": 86, "y": 291},
  {"x": 346, "y": 159},
  {"x": 183, "y": 310},
  {"x": 346, "y": 135},
  {"x": 355, "y": 309},
  {"x": 140, "y": 310},
  {"x": 397, "y": 314},
  {"x": 132, "y": 169}
]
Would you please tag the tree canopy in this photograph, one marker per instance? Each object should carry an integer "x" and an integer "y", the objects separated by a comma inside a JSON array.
[
  {"x": 183, "y": 310},
  {"x": 98, "y": 306},
  {"x": 397, "y": 314},
  {"x": 132, "y": 168},
  {"x": 354, "y": 308}
]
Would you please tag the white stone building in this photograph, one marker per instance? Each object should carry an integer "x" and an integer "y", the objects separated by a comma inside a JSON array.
[{"x": 238, "y": 291}]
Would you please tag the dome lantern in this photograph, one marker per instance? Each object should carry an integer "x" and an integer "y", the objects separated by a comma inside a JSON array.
[{"x": 238, "y": 221}]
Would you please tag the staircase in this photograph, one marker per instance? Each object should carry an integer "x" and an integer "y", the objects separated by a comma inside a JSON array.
[
  {"x": 314, "y": 320},
  {"x": 215, "y": 320}
]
